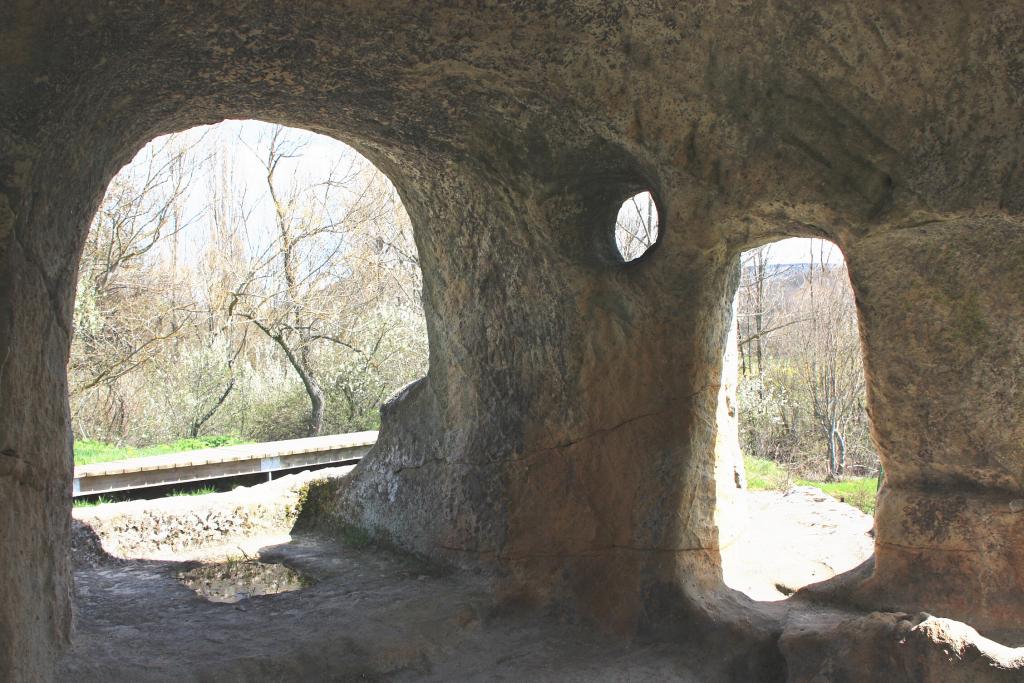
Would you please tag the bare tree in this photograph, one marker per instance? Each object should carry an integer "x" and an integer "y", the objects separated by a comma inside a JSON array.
[
  {"x": 214, "y": 274},
  {"x": 294, "y": 290},
  {"x": 829, "y": 360},
  {"x": 761, "y": 306},
  {"x": 801, "y": 388},
  {"x": 192, "y": 307},
  {"x": 132, "y": 303}
]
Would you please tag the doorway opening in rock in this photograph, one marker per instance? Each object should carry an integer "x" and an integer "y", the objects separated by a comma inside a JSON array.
[
  {"x": 241, "y": 283},
  {"x": 811, "y": 468},
  {"x": 636, "y": 226}
]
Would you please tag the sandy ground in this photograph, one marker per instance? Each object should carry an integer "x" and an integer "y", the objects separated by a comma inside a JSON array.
[{"x": 371, "y": 614}]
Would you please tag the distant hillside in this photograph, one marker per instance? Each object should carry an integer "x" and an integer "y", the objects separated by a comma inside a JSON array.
[{"x": 791, "y": 276}]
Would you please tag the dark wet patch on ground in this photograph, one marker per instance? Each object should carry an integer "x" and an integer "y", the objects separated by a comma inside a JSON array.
[{"x": 237, "y": 580}]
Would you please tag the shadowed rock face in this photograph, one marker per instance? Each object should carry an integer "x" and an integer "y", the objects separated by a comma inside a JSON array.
[{"x": 567, "y": 432}]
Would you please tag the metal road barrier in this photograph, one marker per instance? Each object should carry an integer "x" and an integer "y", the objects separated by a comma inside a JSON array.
[{"x": 216, "y": 463}]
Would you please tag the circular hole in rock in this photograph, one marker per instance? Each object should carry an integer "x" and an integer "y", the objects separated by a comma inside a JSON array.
[{"x": 636, "y": 226}]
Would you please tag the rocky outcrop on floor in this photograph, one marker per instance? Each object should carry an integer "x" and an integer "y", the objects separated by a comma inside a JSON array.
[
  {"x": 165, "y": 527},
  {"x": 895, "y": 647},
  {"x": 86, "y": 547}
]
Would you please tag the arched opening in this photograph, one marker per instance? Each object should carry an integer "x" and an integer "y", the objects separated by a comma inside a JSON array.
[
  {"x": 811, "y": 468},
  {"x": 248, "y": 297},
  {"x": 241, "y": 283}
]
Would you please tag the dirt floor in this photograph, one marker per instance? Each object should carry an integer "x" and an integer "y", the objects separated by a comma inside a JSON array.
[{"x": 353, "y": 612}]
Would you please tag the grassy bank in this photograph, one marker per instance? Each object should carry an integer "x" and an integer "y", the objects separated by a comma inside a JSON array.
[
  {"x": 766, "y": 475},
  {"x": 88, "y": 451}
]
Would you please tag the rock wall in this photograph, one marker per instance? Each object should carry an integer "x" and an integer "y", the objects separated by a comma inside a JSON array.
[
  {"x": 942, "y": 320},
  {"x": 565, "y": 436}
]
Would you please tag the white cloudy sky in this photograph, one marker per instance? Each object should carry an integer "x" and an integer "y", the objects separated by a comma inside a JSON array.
[{"x": 799, "y": 250}]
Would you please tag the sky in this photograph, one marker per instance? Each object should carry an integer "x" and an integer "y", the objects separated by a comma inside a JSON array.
[
  {"x": 799, "y": 249},
  {"x": 319, "y": 152}
]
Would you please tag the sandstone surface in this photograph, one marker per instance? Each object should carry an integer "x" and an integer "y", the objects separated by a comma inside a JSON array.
[{"x": 573, "y": 437}]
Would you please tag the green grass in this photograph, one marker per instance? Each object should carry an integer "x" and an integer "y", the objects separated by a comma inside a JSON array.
[
  {"x": 767, "y": 475},
  {"x": 88, "y": 451},
  {"x": 860, "y": 492},
  {"x": 201, "y": 491},
  {"x": 85, "y": 503}
]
